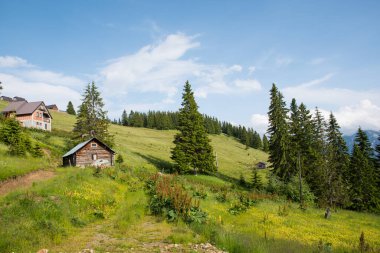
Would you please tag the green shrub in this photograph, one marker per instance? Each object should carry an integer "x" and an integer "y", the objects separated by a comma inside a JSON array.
[{"x": 168, "y": 198}]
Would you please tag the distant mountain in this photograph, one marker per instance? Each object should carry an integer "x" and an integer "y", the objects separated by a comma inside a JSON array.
[{"x": 372, "y": 136}]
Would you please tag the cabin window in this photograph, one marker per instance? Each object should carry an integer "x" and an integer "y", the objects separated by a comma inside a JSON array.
[
  {"x": 94, "y": 157},
  {"x": 93, "y": 145}
]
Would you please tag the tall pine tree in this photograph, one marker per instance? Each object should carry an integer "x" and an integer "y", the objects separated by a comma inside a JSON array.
[
  {"x": 377, "y": 167},
  {"x": 192, "y": 151},
  {"x": 265, "y": 143},
  {"x": 335, "y": 186},
  {"x": 362, "y": 175},
  {"x": 124, "y": 118},
  {"x": 70, "y": 109},
  {"x": 92, "y": 119},
  {"x": 279, "y": 156},
  {"x": 316, "y": 176}
]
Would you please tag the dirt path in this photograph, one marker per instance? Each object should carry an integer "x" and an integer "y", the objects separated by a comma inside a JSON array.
[
  {"x": 24, "y": 181},
  {"x": 147, "y": 236}
]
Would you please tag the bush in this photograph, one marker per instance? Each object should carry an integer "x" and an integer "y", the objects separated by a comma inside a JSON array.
[
  {"x": 244, "y": 202},
  {"x": 290, "y": 190},
  {"x": 222, "y": 196},
  {"x": 168, "y": 198}
]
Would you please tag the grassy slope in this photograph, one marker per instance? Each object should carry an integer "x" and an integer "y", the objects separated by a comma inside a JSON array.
[
  {"x": 143, "y": 147},
  {"x": 150, "y": 148},
  {"x": 146, "y": 147}
]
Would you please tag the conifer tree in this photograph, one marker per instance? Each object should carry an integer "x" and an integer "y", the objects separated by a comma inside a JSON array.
[
  {"x": 92, "y": 119},
  {"x": 301, "y": 141},
  {"x": 337, "y": 163},
  {"x": 265, "y": 143},
  {"x": 256, "y": 180},
  {"x": 70, "y": 108},
  {"x": 295, "y": 136},
  {"x": 362, "y": 175},
  {"x": 193, "y": 151},
  {"x": 377, "y": 167},
  {"x": 124, "y": 118},
  {"x": 37, "y": 151},
  {"x": 12, "y": 135},
  {"x": 316, "y": 176},
  {"x": 279, "y": 136}
]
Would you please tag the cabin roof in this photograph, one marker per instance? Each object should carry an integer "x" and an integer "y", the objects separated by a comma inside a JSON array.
[
  {"x": 23, "y": 107},
  {"x": 83, "y": 144}
]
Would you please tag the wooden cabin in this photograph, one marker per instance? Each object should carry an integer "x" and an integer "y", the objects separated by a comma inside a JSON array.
[
  {"x": 32, "y": 115},
  {"x": 92, "y": 152},
  {"x": 261, "y": 165}
]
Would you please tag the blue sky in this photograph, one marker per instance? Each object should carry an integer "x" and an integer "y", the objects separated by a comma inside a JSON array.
[{"x": 140, "y": 53}]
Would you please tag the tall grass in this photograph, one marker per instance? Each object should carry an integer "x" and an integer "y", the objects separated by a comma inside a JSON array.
[{"x": 53, "y": 210}]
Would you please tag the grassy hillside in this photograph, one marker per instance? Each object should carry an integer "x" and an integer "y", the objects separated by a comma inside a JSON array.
[
  {"x": 106, "y": 210},
  {"x": 141, "y": 146}
]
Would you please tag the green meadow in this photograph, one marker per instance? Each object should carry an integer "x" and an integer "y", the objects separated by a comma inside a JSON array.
[{"x": 106, "y": 210}]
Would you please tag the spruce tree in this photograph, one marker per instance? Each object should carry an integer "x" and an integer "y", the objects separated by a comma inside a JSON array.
[
  {"x": 279, "y": 136},
  {"x": 92, "y": 119},
  {"x": 256, "y": 180},
  {"x": 337, "y": 164},
  {"x": 362, "y": 175},
  {"x": 11, "y": 134},
  {"x": 124, "y": 118},
  {"x": 265, "y": 143},
  {"x": 70, "y": 108},
  {"x": 377, "y": 167},
  {"x": 37, "y": 151},
  {"x": 295, "y": 136},
  {"x": 193, "y": 151},
  {"x": 316, "y": 176}
]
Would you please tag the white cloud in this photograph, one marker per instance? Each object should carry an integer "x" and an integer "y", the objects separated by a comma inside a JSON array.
[
  {"x": 259, "y": 123},
  {"x": 364, "y": 114},
  {"x": 50, "y": 77},
  {"x": 37, "y": 91},
  {"x": 236, "y": 68},
  {"x": 154, "y": 68},
  {"x": 313, "y": 94},
  {"x": 13, "y": 62},
  {"x": 352, "y": 108},
  {"x": 162, "y": 68}
]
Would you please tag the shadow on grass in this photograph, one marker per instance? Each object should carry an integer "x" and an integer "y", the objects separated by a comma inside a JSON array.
[{"x": 159, "y": 163}]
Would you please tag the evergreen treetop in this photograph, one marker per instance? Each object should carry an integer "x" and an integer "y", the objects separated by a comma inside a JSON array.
[
  {"x": 92, "y": 119},
  {"x": 70, "y": 108}
]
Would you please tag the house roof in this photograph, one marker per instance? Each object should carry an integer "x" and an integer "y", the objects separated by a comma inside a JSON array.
[
  {"x": 81, "y": 145},
  {"x": 19, "y": 99},
  {"x": 23, "y": 107},
  {"x": 14, "y": 106},
  {"x": 51, "y": 106}
]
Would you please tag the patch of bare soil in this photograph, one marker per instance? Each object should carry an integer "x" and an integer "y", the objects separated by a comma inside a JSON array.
[{"x": 24, "y": 181}]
